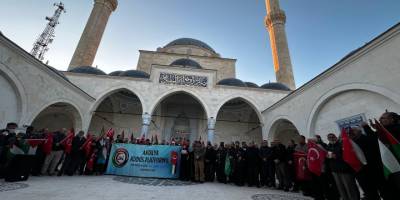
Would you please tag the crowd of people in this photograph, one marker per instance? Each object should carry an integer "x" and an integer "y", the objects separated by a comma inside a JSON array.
[{"x": 272, "y": 164}]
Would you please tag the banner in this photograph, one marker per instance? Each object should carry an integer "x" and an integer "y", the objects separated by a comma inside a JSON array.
[{"x": 160, "y": 161}]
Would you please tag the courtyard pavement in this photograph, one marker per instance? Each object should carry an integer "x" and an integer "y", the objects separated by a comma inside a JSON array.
[{"x": 120, "y": 188}]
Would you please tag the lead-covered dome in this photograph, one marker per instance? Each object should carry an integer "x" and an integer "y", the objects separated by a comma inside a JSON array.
[
  {"x": 115, "y": 73},
  {"x": 251, "y": 84},
  {"x": 135, "y": 74},
  {"x": 190, "y": 41},
  {"x": 276, "y": 86},
  {"x": 187, "y": 63},
  {"x": 232, "y": 82},
  {"x": 87, "y": 70}
]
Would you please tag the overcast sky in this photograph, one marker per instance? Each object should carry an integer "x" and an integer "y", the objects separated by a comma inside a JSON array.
[{"x": 320, "y": 32}]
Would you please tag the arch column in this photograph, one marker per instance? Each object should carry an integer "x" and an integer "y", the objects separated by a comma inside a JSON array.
[
  {"x": 146, "y": 120},
  {"x": 210, "y": 129}
]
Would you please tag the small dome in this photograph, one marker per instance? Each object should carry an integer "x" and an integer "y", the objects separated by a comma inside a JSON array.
[
  {"x": 276, "y": 86},
  {"x": 58, "y": 72},
  {"x": 232, "y": 82},
  {"x": 190, "y": 41},
  {"x": 115, "y": 73},
  {"x": 135, "y": 74},
  {"x": 87, "y": 70},
  {"x": 187, "y": 63},
  {"x": 250, "y": 84}
]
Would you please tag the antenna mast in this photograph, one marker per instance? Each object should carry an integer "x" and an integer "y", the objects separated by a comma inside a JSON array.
[{"x": 41, "y": 46}]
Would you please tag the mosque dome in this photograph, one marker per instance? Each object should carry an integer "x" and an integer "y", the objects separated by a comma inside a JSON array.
[
  {"x": 190, "y": 41},
  {"x": 232, "y": 82},
  {"x": 115, "y": 73},
  {"x": 276, "y": 86},
  {"x": 250, "y": 84},
  {"x": 135, "y": 74},
  {"x": 87, "y": 70},
  {"x": 187, "y": 63}
]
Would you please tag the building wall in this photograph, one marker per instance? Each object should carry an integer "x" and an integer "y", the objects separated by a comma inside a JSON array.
[
  {"x": 365, "y": 82},
  {"x": 10, "y": 103},
  {"x": 34, "y": 85},
  {"x": 225, "y": 67},
  {"x": 151, "y": 93}
]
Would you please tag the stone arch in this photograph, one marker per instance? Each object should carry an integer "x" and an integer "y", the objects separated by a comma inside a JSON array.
[
  {"x": 176, "y": 91},
  {"x": 249, "y": 107},
  {"x": 179, "y": 114},
  {"x": 111, "y": 91},
  {"x": 341, "y": 89},
  {"x": 283, "y": 129},
  {"x": 248, "y": 100},
  {"x": 123, "y": 125},
  {"x": 16, "y": 93},
  {"x": 57, "y": 115}
]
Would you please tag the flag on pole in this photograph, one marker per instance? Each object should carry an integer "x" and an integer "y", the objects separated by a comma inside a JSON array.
[
  {"x": 390, "y": 150},
  {"x": 315, "y": 157},
  {"x": 110, "y": 133},
  {"x": 349, "y": 154},
  {"x": 123, "y": 134},
  {"x": 67, "y": 141},
  {"x": 132, "y": 139},
  {"x": 156, "y": 139}
]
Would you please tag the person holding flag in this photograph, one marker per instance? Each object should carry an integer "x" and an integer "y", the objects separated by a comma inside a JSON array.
[
  {"x": 342, "y": 173},
  {"x": 371, "y": 174},
  {"x": 388, "y": 181},
  {"x": 55, "y": 152}
]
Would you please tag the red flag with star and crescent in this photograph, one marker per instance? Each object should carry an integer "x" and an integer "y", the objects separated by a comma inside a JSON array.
[
  {"x": 300, "y": 163},
  {"x": 316, "y": 155}
]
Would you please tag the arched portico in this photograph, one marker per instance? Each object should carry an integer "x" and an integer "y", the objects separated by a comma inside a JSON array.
[
  {"x": 177, "y": 115},
  {"x": 238, "y": 119},
  {"x": 56, "y": 116},
  {"x": 13, "y": 98},
  {"x": 349, "y": 100},
  {"x": 120, "y": 109},
  {"x": 283, "y": 130}
]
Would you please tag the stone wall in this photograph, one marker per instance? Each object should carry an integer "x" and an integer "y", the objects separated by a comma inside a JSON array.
[
  {"x": 225, "y": 68},
  {"x": 365, "y": 82}
]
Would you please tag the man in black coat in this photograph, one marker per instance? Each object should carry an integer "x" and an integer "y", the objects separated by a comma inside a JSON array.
[
  {"x": 342, "y": 173},
  {"x": 253, "y": 162},
  {"x": 77, "y": 154},
  {"x": 279, "y": 155},
  {"x": 220, "y": 164},
  {"x": 209, "y": 160},
  {"x": 265, "y": 154}
]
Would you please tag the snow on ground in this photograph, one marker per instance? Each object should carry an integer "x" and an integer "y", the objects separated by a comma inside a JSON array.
[{"x": 120, "y": 188}]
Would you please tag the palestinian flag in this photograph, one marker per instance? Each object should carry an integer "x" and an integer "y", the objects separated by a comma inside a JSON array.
[{"x": 390, "y": 150}]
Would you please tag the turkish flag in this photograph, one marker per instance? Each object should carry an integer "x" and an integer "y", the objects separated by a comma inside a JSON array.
[
  {"x": 315, "y": 157},
  {"x": 300, "y": 163},
  {"x": 110, "y": 133},
  {"x": 48, "y": 144},
  {"x": 67, "y": 141},
  {"x": 349, "y": 154}
]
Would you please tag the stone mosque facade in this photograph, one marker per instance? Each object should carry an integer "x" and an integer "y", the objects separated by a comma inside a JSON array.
[{"x": 186, "y": 89}]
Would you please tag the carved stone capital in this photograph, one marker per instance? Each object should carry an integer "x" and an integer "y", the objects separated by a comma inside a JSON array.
[
  {"x": 275, "y": 18},
  {"x": 112, "y": 4}
]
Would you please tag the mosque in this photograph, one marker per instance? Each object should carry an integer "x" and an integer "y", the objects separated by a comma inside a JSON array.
[{"x": 186, "y": 89}]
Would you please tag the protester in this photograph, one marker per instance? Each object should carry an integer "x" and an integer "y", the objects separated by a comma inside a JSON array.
[
  {"x": 53, "y": 157},
  {"x": 199, "y": 153},
  {"x": 342, "y": 172},
  {"x": 210, "y": 158},
  {"x": 329, "y": 176}
]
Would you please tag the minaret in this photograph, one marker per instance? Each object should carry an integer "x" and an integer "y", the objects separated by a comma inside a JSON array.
[
  {"x": 275, "y": 23},
  {"x": 86, "y": 50}
]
